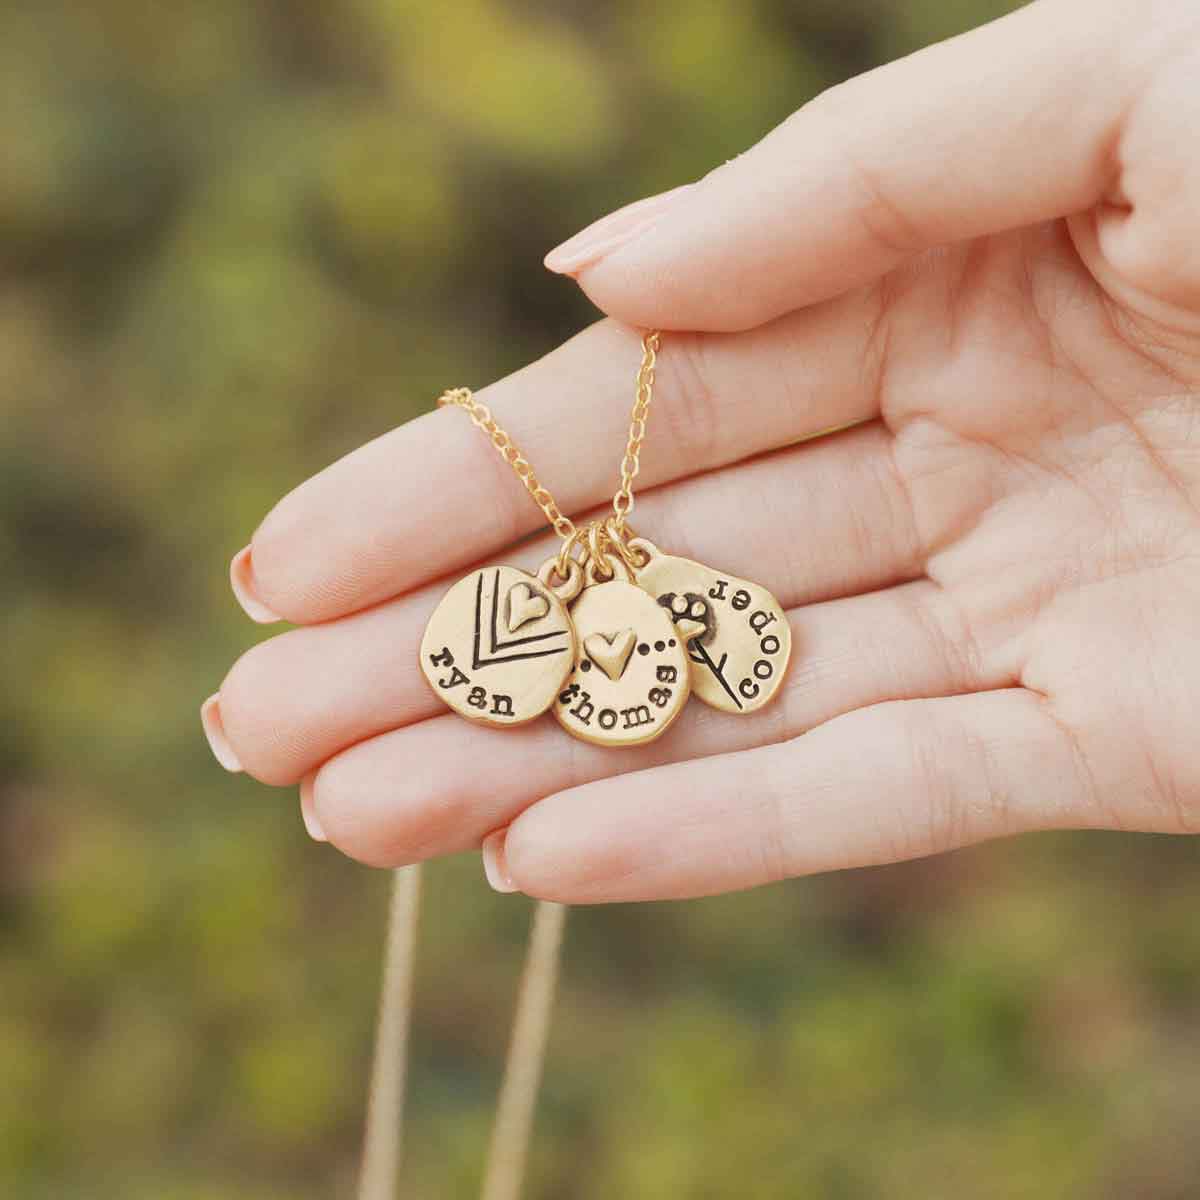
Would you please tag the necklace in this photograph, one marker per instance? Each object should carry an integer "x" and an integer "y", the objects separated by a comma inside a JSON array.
[{"x": 610, "y": 632}]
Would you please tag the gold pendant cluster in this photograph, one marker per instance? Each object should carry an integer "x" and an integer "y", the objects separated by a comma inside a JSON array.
[{"x": 611, "y": 633}]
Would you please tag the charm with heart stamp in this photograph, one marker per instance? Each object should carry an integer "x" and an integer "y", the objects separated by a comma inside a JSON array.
[
  {"x": 500, "y": 645},
  {"x": 630, "y": 679}
]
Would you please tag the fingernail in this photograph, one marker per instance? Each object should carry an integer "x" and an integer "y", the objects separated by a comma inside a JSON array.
[
  {"x": 214, "y": 730},
  {"x": 495, "y": 866},
  {"x": 308, "y": 813},
  {"x": 241, "y": 579},
  {"x": 611, "y": 232}
]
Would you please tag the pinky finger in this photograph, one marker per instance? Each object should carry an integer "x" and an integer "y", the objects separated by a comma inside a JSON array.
[{"x": 894, "y": 781}]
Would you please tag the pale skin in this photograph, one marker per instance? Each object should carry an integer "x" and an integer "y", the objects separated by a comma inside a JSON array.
[{"x": 985, "y": 257}]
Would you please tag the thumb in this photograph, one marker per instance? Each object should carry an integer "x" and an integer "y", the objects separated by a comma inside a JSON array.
[{"x": 1010, "y": 124}]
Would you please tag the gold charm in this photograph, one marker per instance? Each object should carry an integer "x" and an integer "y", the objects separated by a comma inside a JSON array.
[
  {"x": 631, "y": 669},
  {"x": 500, "y": 645},
  {"x": 741, "y": 654}
]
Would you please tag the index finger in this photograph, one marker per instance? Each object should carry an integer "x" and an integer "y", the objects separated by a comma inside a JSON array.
[{"x": 434, "y": 495}]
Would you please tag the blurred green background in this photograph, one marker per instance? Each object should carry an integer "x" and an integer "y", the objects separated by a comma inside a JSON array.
[{"x": 236, "y": 240}]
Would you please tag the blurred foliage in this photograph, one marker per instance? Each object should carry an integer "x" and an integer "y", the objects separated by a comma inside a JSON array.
[{"x": 237, "y": 239}]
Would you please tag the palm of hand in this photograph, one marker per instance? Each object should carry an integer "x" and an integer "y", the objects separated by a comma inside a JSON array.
[{"x": 1049, "y": 458}]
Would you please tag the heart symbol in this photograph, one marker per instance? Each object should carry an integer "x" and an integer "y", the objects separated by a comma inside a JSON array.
[
  {"x": 610, "y": 652},
  {"x": 525, "y": 605}
]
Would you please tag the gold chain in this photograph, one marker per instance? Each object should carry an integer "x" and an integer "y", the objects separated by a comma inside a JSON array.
[
  {"x": 611, "y": 532},
  {"x": 631, "y": 463},
  {"x": 481, "y": 415}
]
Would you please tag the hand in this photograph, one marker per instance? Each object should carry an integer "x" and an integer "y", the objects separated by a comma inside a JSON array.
[{"x": 987, "y": 256}]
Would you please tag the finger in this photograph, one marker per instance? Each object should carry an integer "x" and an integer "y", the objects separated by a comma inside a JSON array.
[
  {"x": 882, "y": 784},
  {"x": 1010, "y": 124},
  {"x": 1141, "y": 243},
  {"x": 440, "y": 786},
  {"x": 434, "y": 494},
  {"x": 291, "y": 702}
]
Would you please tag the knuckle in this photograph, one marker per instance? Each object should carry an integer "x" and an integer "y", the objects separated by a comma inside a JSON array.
[
  {"x": 687, "y": 397},
  {"x": 953, "y": 793},
  {"x": 776, "y": 793},
  {"x": 883, "y": 217},
  {"x": 897, "y": 504},
  {"x": 945, "y": 631},
  {"x": 775, "y": 847},
  {"x": 928, "y": 814}
]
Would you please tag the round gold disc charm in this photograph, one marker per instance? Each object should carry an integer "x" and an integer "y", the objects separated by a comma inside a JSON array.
[
  {"x": 631, "y": 667},
  {"x": 740, "y": 657},
  {"x": 500, "y": 645}
]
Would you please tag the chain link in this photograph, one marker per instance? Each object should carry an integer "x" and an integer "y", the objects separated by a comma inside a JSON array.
[
  {"x": 631, "y": 462},
  {"x": 481, "y": 415},
  {"x": 611, "y": 533}
]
